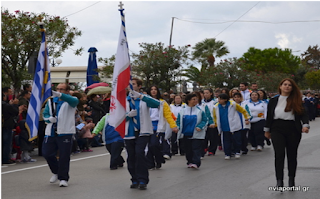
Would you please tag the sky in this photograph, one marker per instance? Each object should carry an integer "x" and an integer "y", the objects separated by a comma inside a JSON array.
[{"x": 246, "y": 24}]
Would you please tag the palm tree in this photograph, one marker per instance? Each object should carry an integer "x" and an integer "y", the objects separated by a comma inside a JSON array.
[
  {"x": 194, "y": 74},
  {"x": 208, "y": 49}
]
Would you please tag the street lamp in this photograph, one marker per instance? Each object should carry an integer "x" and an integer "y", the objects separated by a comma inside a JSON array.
[{"x": 58, "y": 62}]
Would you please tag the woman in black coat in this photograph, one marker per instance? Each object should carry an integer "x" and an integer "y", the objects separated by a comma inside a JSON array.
[{"x": 286, "y": 119}]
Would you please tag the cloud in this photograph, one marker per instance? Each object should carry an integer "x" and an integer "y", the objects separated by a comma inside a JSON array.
[{"x": 283, "y": 40}]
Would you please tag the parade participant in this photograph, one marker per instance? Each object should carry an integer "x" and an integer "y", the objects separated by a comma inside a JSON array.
[
  {"x": 254, "y": 86},
  {"x": 258, "y": 110},
  {"x": 159, "y": 146},
  {"x": 192, "y": 122},
  {"x": 226, "y": 117},
  {"x": 59, "y": 115},
  {"x": 139, "y": 129},
  {"x": 114, "y": 142},
  {"x": 237, "y": 97},
  {"x": 245, "y": 92},
  {"x": 286, "y": 119},
  {"x": 175, "y": 109},
  {"x": 212, "y": 134}
]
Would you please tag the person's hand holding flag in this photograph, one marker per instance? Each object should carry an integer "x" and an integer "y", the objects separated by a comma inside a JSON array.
[
  {"x": 132, "y": 113},
  {"x": 134, "y": 94},
  {"x": 56, "y": 94}
]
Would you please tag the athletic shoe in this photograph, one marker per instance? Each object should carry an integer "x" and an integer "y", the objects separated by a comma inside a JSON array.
[
  {"x": 134, "y": 185},
  {"x": 153, "y": 168},
  {"x": 210, "y": 154},
  {"x": 142, "y": 186},
  {"x": 253, "y": 149},
  {"x": 268, "y": 142},
  {"x": 167, "y": 157},
  {"x": 10, "y": 162},
  {"x": 220, "y": 148},
  {"x": 29, "y": 160},
  {"x": 227, "y": 157},
  {"x": 237, "y": 156},
  {"x": 244, "y": 152},
  {"x": 189, "y": 165},
  {"x": 158, "y": 166},
  {"x": 193, "y": 166},
  {"x": 54, "y": 178},
  {"x": 63, "y": 183},
  {"x": 259, "y": 148}
]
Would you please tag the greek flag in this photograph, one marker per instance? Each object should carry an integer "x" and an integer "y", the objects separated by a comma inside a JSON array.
[{"x": 41, "y": 89}]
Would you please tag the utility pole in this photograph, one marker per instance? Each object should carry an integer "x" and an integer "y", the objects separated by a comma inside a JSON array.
[{"x": 171, "y": 31}]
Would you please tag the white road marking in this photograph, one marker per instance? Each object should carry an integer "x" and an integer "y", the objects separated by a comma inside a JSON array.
[{"x": 44, "y": 165}]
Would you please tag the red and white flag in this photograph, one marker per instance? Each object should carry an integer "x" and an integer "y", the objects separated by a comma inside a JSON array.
[{"x": 121, "y": 78}]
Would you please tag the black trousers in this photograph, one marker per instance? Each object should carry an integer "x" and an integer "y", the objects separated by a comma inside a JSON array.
[
  {"x": 137, "y": 160},
  {"x": 285, "y": 140},
  {"x": 256, "y": 133},
  {"x": 115, "y": 149},
  {"x": 212, "y": 136}
]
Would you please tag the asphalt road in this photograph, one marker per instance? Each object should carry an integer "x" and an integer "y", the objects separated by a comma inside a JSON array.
[{"x": 249, "y": 177}]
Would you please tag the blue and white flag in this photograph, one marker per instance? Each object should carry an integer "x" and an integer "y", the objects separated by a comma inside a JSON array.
[{"x": 41, "y": 89}]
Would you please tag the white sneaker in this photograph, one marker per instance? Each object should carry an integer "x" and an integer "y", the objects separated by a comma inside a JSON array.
[
  {"x": 259, "y": 148},
  {"x": 253, "y": 149},
  {"x": 63, "y": 183},
  {"x": 227, "y": 157},
  {"x": 237, "y": 156},
  {"x": 167, "y": 157},
  {"x": 54, "y": 178},
  {"x": 193, "y": 166}
]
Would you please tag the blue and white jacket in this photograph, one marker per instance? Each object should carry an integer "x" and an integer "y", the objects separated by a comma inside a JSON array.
[
  {"x": 194, "y": 116},
  {"x": 65, "y": 111}
]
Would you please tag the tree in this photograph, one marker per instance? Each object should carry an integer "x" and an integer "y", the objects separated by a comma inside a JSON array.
[
  {"x": 313, "y": 79},
  {"x": 21, "y": 38},
  {"x": 194, "y": 74},
  {"x": 228, "y": 73},
  {"x": 107, "y": 70},
  {"x": 311, "y": 57},
  {"x": 159, "y": 65},
  {"x": 207, "y": 51},
  {"x": 270, "y": 60}
]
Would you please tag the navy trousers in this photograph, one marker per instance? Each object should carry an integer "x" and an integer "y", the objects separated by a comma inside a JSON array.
[
  {"x": 115, "y": 150},
  {"x": 231, "y": 139},
  {"x": 193, "y": 149},
  {"x": 256, "y": 133},
  {"x": 50, "y": 148},
  {"x": 212, "y": 136},
  {"x": 154, "y": 154},
  {"x": 137, "y": 160}
]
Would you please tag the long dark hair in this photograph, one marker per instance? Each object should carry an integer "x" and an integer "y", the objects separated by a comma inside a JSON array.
[
  {"x": 294, "y": 100},
  {"x": 158, "y": 91}
]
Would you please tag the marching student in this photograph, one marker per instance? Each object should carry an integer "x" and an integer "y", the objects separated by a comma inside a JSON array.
[
  {"x": 175, "y": 108},
  {"x": 192, "y": 123},
  {"x": 159, "y": 145},
  {"x": 59, "y": 116},
  {"x": 212, "y": 134},
  {"x": 226, "y": 117},
  {"x": 237, "y": 97},
  {"x": 258, "y": 110},
  {"x": 138, "y": 131},
  {"x": 114, "y": 142}
]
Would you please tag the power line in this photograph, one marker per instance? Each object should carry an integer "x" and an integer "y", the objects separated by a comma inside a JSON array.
[
  {"x": 246, "y": 21},
  {"x": 82, "y": 9},
  {"x": 235, "y": 20}
]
